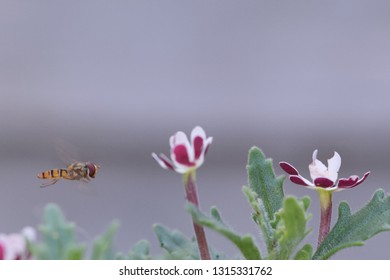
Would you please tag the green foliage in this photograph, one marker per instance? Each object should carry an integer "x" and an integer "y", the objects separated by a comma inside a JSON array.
[
  {"x": 354, "y": 229},
  {"x": 305, "y": 253},
  {"x": 283, "y": 234},
  {"x": 140, "y": 251},
  {"x": 244, "y": 243},
  {"x": 282, "y": 222},
  {"x": 176, "y": 244},
  {"x": 291, "y": 228},
  {"x": 58, "y": 238},
  {"x": 264, "y": 183},
  {"x": 102, "y": 247},
  {"x": 260, "y": 217}
]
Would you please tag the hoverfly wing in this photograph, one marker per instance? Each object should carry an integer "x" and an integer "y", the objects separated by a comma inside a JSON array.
[{"x": 66, "y": 151}]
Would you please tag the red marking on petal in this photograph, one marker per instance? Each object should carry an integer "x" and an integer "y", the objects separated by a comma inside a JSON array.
[
  {"x": 2, "y": 252},
  {"x": 362, "y": 179},
  {"x": 163, "y": 161},
  {"x": 356, "y": 183},
  {"x": 198, "y": 146},
  {"x": 347, "y": 183},
  {"x": 298, "y": 180},
  {"x": 181, "y": 155},
  {"x": 323, "y": 182},
  {"x": 167, "y": 163},
  {"x": 288, "y": 168}
]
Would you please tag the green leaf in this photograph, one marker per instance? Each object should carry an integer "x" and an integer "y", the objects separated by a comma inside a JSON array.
[
  {"x": 102, "y": 247},
  {"x": 264, "y": 183},
  {"x": 58, "y": 242},
  {"x": 140, "y": 251},
  {"x": 244, "y": 243},
  {"x": 176, "y": 244},
  {"x": 76, "y": 252},
  {"x": 291, "y": 229},
  {"x": 354, "y": 229},
  {"x": 305, "y": 253},
  {"x": 260, "y": 216}
]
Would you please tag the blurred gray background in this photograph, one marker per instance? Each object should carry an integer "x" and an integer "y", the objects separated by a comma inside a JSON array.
[{"x": 115, "y": 79}]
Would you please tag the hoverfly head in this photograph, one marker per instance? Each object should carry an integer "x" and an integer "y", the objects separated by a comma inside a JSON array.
[{"x": 92, "y": 169}]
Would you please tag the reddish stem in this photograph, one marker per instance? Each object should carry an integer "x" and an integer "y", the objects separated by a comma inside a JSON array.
[
  {"x": 326, "y": 214},
  {"x": 192, "y": 196}
]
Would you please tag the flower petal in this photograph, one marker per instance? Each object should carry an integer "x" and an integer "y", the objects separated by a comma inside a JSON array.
[
  {"x": 181, "y": 155},
  {"x": 198, "y": 147},
  {"x": 352, "y": 181},
  {"x": 288, "y": 168},
  {"x": 163, "y": 161},
  {"x": 334, "y": 164},
  {"x": 180, "y": 139},
  {"x": 345, "y": 183},
  {"x": 17, "y": 244},
  {"x": 299, "y": 180},
  {"x": 323, "y": 182},
  {"x": 317, "y": 168},
  {"x": 172, "y": 141},
  {"x": 207, "y": 144},
  {"x": 198, "y": 137}
]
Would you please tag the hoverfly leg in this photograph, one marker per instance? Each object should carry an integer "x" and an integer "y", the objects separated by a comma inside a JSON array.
[
  {"x": 85, "y": 179},
  {"x": 52, "y": 182}
]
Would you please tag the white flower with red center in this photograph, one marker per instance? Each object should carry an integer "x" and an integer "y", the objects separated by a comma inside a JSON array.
[
  {"x": 323, "y": 177},
  {"x": 185, "y": 155},
  {"x": 14, "y": 246}
]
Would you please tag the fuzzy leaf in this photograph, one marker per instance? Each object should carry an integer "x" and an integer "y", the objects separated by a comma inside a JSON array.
[
  {"x": 260, "y": 217},
  {"x": 244, "y": 243},
  {"x": 176, "y": 244},
  {"x": 102, "y": 247},
  {"x": 354, "y": 229},
  {"x": 291, "y": 229},
  {"x": 264, "y": 183},
  {"x": 140, "y": 251},
  {"x": 58, "y": 238}
]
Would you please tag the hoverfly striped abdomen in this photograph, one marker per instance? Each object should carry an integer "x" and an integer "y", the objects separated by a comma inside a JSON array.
[{"x": 53, "y": 174}]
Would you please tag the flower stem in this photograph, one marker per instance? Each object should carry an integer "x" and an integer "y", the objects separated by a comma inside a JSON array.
[
  {"x": 192, "y": 196},
  {"x": 326, "y": 214}
]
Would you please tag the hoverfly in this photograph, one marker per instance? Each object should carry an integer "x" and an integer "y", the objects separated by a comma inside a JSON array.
[{"x": 82, "y": 171}]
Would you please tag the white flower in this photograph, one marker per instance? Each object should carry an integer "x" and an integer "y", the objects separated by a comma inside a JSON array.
[
  {"x": 185, "y": 155},
  {"x": 14, "y": 246},
  {"x": 322, "y": 176}
]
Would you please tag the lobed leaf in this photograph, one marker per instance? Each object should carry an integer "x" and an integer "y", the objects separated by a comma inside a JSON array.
[
  {"x": 244, "y": 243},
  {"x": 58, "y": 238},
  {"x": 260, "y": 217},
  {"x": 176, "y": 244},
  {"x": 264, "y": 183},
  {"x": 102, "y": 246},
  {"x": 140, "y": 251},
  {"x": 291, "y": 229},
  {"x": 353, "y": 229}
]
